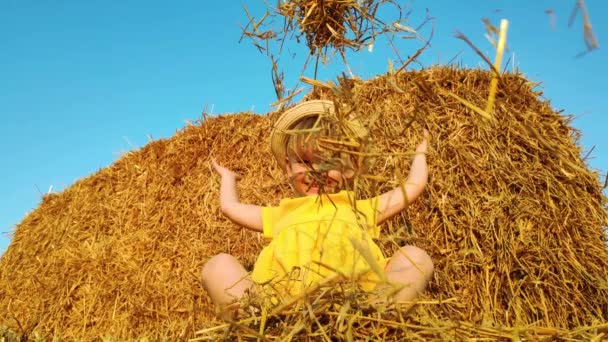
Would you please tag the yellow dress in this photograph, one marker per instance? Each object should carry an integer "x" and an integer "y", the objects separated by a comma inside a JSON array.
[{"x": 312, "y": 238}]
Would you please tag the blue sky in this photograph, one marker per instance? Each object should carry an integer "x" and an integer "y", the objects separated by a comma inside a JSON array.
[{"x": 82, "y": 82}]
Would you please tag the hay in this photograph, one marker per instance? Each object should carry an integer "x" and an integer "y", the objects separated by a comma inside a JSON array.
[
  {"x": 326, "y": 25},
  {"x": 343, "y": 314},
  {"x": 589, "y": 37},
  {"x": 512, "y": 217},
  {"x": 328, "y": 28}
]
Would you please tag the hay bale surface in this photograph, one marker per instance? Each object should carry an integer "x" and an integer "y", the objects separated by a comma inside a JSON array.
[{"x": 512, "y": 216}]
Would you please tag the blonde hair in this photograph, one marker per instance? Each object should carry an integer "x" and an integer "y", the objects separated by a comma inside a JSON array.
[{"x": 303, "y": 140}]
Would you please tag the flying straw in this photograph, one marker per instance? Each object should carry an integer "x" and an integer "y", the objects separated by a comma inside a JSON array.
[{"x": 502, "y": 39}]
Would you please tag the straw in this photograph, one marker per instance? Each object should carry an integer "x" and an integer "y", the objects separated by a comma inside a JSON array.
[
  {"x": 589, "y": 37},
  {"x": 328, "y": 28},
  {"x": 502, "y": 39},
  {"x": 512, "y": 217}
]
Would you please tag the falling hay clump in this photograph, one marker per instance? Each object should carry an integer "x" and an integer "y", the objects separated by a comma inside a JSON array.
[
  {"x": 327, "y": 26},
  {"x": 326, "y": 23},
  {"x": 512, "y": 217}
]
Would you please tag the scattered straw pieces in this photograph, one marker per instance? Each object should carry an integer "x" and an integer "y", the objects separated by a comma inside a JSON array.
[{"x": 512, "y": 217}]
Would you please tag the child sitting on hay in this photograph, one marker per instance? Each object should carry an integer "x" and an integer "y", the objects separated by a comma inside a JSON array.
[{"x": 325, "y": 235}]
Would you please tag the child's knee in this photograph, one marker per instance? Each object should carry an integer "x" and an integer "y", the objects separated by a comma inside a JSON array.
[
  {"x": 214, "y": 265},
  {"x": 416, "y": 257}
]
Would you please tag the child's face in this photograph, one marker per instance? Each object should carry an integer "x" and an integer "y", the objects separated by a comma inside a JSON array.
[{"x": 307, "y": 177}]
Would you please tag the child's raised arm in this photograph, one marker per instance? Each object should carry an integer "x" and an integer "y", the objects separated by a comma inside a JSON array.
[
  {"x": 394, "y": 201},
  {"x": 246, "y": 215}
]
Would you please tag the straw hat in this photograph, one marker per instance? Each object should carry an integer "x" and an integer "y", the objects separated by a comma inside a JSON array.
[{"x": 287, "y": 120}]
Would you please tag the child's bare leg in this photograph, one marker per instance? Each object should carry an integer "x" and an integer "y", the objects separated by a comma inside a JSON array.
[
  {"x": 412, "y": 268},
  {"x": 225, "y": 279},
  {"x": 408, "y": 271}
]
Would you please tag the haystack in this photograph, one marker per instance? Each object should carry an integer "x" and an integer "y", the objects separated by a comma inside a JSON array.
[{"x": 513, "y": 218}]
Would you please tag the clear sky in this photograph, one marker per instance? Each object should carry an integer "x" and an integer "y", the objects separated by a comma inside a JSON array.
[{"x": 82, "y": 82}]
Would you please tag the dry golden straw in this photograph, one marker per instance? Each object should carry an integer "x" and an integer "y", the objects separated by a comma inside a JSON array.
[
  {"x": 502, "y": 40},
  {"x": 512, "y": 217},
  {"x": 328, "y": 28}
]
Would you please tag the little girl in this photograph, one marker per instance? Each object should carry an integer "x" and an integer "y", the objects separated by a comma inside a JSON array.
[{"x": 325, "y": 232}]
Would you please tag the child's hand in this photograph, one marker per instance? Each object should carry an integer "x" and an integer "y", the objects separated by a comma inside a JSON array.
[
  {"x": 222, "y": 171},
  {"x": 424, "y": 143}
]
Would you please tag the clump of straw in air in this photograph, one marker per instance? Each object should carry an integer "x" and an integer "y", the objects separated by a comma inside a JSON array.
[{"x": 328, "y": 27}]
